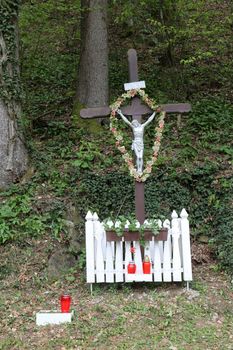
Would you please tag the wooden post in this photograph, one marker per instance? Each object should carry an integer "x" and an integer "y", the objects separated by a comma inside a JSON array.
[
  {"x": 139, "y": 186},
  {"x": 140, "y": 201}
]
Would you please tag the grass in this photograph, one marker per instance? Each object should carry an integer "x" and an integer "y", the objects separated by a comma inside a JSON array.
[{"x": 124, "y": 316}]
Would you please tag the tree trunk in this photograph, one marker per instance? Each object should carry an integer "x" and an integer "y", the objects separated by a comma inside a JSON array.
[
  {"x": 13, "y": 154},
  {"x": 92, "y": 89}
]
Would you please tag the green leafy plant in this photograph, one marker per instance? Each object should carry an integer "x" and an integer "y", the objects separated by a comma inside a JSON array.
[
  {"x": 86, "y": 154},
  {"x": 21, "y": 216}
]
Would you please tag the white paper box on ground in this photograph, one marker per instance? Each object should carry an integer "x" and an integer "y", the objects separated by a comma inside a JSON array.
[{"x": 45, "y": 317}]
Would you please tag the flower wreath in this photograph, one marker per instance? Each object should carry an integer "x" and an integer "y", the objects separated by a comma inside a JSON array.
[{"x": 140, "y": 177}]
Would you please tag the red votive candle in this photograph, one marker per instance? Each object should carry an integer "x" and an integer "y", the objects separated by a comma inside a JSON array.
[
  {"x": 131, "y": 268},
  {"x": 65, "y": 302},
  {"x": 146, "y": 267}
]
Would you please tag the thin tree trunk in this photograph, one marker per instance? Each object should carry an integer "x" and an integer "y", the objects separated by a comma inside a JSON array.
[
  {"x": 168, "y": 55},
  {"x": 92, "y": 90}
]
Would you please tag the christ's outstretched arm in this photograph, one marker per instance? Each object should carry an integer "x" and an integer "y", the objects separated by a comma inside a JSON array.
[
  {"x": 124, "y": 118},
  {"x": 149, "y": 120}
]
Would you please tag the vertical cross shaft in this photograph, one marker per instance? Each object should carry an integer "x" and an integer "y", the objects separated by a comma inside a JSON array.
[
  {"x": 139, "y": 186},
  {"x": 133, "y": 65}
]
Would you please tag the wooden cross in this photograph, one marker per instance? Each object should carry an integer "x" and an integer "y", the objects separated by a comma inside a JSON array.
[{"x": 136, "y": 110}]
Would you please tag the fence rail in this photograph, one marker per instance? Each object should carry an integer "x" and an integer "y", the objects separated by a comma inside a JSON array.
[{"x": 107, "y": 261}]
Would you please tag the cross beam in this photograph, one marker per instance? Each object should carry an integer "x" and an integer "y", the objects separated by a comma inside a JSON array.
[
  {"x": 100, "y": 112},
  {"x": 136, "y": 110}
]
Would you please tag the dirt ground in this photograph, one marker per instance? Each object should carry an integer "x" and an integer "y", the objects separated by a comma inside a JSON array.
[{"x": 119, "y": 316}]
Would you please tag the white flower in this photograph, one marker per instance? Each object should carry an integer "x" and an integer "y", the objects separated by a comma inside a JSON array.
[
  {"x": 117, "y": 224},
  {"x": 127, "y": 224},
  {"x": 109, "y": 224}
]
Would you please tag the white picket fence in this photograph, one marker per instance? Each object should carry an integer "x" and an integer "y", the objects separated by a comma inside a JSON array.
[{"x": 107, "y": 261}]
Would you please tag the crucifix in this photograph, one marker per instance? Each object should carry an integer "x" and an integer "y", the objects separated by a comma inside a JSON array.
[{"x": 135, "y": 110}]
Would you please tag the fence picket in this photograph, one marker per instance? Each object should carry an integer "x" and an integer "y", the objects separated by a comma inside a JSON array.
[
  {"x": 180, "y": 244},
  {"x": 148, "y": 277},
  {"x": 176, "y": 261},
  {"x": 186, "y": 251},
  {"x": 167, "y": 225},
  {"x": 119, "y": 262},
  {"x": 104, "y": 242},
  {"x": 98, "y": 231},
  {"x": 157, "y": 263},
  {"x": 147, "y": 250},
  {"x": 90, "y": 263},
  {"x": 138, "y": 257},
  {"x": 128, "y": 256},
  {"x": 152, "y": 249},
  {"x": 167, "y": 254},
  {"x": 109, "y": 263}
]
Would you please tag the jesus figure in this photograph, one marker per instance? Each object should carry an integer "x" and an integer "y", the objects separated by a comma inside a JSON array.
[{"x": 137, "y": 144}]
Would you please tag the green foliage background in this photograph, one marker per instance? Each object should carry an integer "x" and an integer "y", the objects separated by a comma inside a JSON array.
[{"x": 185, "y": 54}]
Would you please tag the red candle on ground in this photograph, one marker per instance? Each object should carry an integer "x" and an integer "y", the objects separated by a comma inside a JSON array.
[
  {"x": 131, "y": 268},
  {"x": 65, "y": 302}
]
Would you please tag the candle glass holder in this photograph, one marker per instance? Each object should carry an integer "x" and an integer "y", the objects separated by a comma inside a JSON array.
[
  {"x": 131, "y": 268},
  {"x": 65, "y": 301},
  {"x": 146, "y": 267}
]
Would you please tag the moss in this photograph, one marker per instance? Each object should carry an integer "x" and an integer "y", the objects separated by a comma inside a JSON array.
[
  {"x": 28, "y": 175},
  {"x": 91, "y": 125}
]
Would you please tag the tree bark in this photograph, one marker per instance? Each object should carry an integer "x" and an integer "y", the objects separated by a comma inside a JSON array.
[
  {"x": 13, "y": 154},
  {"x": 92, "y": 90}
]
